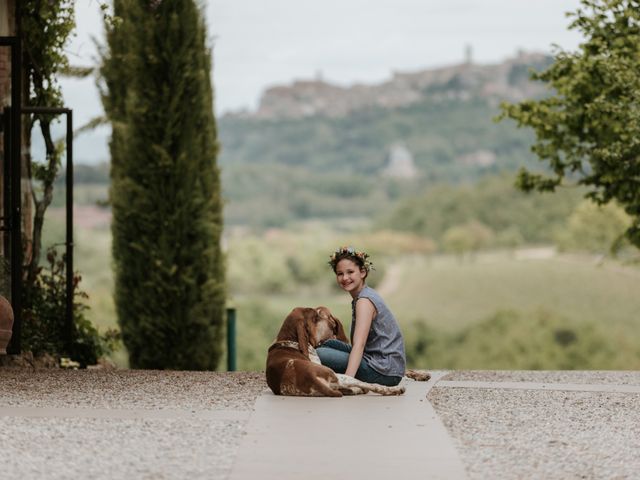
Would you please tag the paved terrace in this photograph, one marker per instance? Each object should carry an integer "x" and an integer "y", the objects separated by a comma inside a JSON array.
[{"x": 57, "y": 424}]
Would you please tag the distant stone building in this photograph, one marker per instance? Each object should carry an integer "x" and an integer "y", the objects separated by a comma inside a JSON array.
[
  {"x": 400, "y": 163},
  {"x": 508, "y": 80}
]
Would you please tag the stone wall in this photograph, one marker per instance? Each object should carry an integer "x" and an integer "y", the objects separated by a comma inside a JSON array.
[{"x": 7, "y": 28}]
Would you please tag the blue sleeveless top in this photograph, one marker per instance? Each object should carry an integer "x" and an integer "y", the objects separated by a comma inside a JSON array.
[{"x": 384, "y": 350}]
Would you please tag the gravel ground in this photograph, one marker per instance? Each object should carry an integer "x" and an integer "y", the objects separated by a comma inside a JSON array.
[
  {"x": 578, "y": 377},
  {"x": 64, "y": 448},
  {"x": 181, "y": 442},
  {"x": 511, "y": 434},
  {"x": 150, "y": 389}
]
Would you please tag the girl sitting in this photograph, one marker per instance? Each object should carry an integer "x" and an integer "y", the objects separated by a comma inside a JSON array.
[{"x": 376, "y": 353}]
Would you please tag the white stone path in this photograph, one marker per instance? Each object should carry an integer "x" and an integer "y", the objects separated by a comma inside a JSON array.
[
  {"x": 360, "y": 437},
  {"x": 364, "y": 437}
]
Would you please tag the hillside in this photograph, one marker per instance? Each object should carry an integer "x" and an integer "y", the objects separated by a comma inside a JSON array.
[
  {"x": 316, "y": 150},
  {"x": 335, "y": 159}
]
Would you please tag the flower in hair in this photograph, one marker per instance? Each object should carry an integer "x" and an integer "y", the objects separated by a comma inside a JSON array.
[{"x": 347, "y": 252}]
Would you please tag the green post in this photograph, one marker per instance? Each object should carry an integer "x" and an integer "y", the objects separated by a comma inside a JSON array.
[{"x": 231, "y": 339}]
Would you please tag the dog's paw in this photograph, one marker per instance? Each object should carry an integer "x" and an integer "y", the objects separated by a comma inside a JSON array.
[
  {"x": 352, "y": 390},
  {"x": 389, "y": 391},
  {"x": 418, "y": 375}
]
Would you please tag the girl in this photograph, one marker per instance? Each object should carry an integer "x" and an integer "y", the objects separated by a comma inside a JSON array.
[{"x": 376, "y": 353}]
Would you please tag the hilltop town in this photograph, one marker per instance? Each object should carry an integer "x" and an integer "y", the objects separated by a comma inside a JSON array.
[{"x": 508, "y": 80}]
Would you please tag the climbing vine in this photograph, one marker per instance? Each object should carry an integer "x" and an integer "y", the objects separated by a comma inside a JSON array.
[{"x": 45, "y": 28}]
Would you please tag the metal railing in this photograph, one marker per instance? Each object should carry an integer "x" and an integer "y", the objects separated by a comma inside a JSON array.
[{"x": 231, "y": 339}]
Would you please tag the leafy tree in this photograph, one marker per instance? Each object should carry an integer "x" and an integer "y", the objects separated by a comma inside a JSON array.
[
  {"x": 467, "y": 238},
  {"x": 167, "y": 221},
  {"x": 594, "y": 228},
  {"x": 492, "y": 201},
  {"x": 589, "y": 130}
]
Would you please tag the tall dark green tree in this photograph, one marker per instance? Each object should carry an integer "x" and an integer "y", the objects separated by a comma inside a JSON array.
[
  {"x": 165, "y": 191},
  {"x": 588, "y": 131}
]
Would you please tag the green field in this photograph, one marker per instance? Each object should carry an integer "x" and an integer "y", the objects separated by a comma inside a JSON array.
[
  {"x": 438, "y": 299},
  {"x": 448, "y": 293}
]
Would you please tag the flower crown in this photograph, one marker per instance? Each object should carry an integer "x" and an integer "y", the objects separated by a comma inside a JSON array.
[{"x": 346, "y": 252}]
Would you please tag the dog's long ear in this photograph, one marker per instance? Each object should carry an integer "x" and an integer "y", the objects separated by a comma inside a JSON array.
[
  {"x": 289, "y": 329},
  {"x": 308, "y": 316},
  {"x": 339, "y": 330}
]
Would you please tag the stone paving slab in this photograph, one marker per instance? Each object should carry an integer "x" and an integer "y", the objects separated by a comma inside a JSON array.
[{"x": 357, "y": 437}]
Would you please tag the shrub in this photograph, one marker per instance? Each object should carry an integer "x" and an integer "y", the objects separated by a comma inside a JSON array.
[
  {"x": 594, "y": 228},
  {"x": 44, "y": 316}
]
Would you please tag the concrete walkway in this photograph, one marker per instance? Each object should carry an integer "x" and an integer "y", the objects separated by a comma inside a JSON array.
[{"x": 363, "y": 436}]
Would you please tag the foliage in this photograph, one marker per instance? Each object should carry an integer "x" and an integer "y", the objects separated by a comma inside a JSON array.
[
  {"x": 594, "y": 228},
  {"x": 539, "y": 340},
  {"x": 286, "y": 262},
  {"x": 449, "y": 294},
  {"x": 467, "y": 238},
  {"x": 276, "y": 171},
  {"x": 436, "y": 132},
  {"x": 493, "y": 202},
  {"x": 167, "y": 222},
  {"x": 85, "y": 173},
  {"x": 43, "y": 318},
  {"x": 442, "y": 295},
  {"x": 45, "y": 28},
  {"x": 589, "y": 130}
]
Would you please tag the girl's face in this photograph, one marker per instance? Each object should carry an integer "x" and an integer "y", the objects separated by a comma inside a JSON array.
[{"x": 350, "y": 276}]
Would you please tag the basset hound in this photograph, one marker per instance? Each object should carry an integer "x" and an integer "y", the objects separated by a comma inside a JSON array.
[{"x": 294, "y": 368}]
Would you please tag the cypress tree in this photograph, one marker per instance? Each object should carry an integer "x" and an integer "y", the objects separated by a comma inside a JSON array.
[{"x": 165, "y": 190}]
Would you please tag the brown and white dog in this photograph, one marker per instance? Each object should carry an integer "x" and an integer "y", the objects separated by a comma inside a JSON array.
[{"x": 293, "y": 367}]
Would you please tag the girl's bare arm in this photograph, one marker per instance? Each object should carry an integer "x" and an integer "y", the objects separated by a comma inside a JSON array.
[{"x": 365, "y": 311}]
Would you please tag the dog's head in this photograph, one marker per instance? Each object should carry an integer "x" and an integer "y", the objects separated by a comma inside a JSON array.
[
  {"x": 310, "y": 326},
  {"x": 300, "y": 326},
  {"x": 334, "y": 325}
]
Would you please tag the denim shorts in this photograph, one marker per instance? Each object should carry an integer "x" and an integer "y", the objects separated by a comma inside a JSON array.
[{"x": 335, "y": 355}]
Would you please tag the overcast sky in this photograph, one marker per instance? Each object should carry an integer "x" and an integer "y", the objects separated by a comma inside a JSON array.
[{"x": 259, "y": 43}]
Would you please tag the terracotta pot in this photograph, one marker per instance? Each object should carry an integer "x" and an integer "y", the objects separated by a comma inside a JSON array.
[{"x": 6, "y": 322}]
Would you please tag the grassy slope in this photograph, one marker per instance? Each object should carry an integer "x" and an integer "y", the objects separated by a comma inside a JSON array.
[
  {"x": 441, "y": 291},
  {"x": 448, "y": 293}
]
